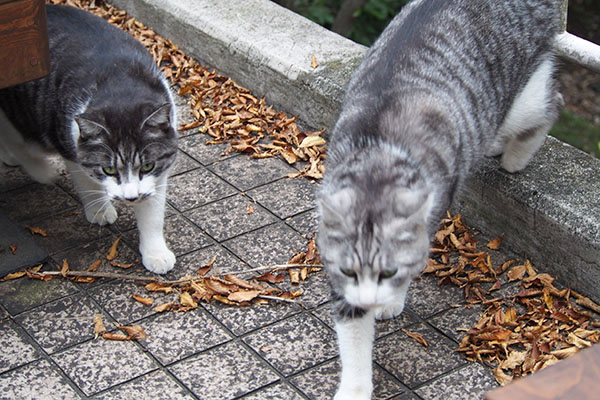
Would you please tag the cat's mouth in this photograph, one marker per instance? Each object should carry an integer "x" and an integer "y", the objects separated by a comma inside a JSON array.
[{"x": 133, "y": 200}]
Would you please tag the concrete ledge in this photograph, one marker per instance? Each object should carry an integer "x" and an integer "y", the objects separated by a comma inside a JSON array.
[{"x": 549, "y": 212}]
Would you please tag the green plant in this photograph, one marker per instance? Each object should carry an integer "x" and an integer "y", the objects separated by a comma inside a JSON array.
[{"x": 578, "y": 132}]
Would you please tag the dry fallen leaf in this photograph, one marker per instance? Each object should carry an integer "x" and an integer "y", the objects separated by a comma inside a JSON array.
[
  {"x": 13, "y": 248},
  {"x": 14, "y": 275},
  {"x": 244, "y": 295},
  {"x": 36, "y": 231},
  {"x": 94, "y": 266},
  {"x": 99, "y": 327},
  {"x": 186, "y": 300},
  {"x": 144, "y": 300},
  {"x": 65, "y": 268},
  {"x": 495, "y": 244},
  {"x": 135, "y": 332},
  {"x": 313, "y": 62},
  {"x": 113, "y": 252},
  {"x": 122, "y": 265},
  {"x": 115, "y": 336},
  {"x": 163, "y": 307},
  {"x": 417, "y": 337},
  {"x": 249, "y": 209}
]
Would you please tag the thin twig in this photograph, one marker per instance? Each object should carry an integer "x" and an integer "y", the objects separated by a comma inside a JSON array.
[{"x": 88, "y": 274}]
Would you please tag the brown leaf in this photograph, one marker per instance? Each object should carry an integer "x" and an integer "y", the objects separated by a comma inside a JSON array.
[
  {"x": 65, "y": 268},
  {"x": 115, "y": 336},
  {"x": 13, "y": 248},
  {"x": 94, "y": 266},
  {"x": 244, "y": 295},
  {"x": 113, "y": 252},
  {"x": 135, "y": 332},
  {"x": 587, "y": 303},
  {"x": 270, "y": 277},
  {"x": 98, "y": 326},
  {"x": 163, "y": 307},
  {"x": 243, "y": 283},
  {"x": 294, "y": 275},
  {"x": 417, "y": 337},
  {"x": 249, "y": 209},
  {"x": 186, "y": 300},
  {"x": 206, "y": 267},
  {"x": 495, "y": 244},
  {"x": 144, "y": 300},
  {"x": 122, "y": 265},
  {"x": 217, "y": 287},
  {"x": 312, "y": 141},
  {"x": 37, "y": 231},
  {"x": 516, "y": 273},
  {"x": 14, "y": 275},
  {"x": 501, "y": 377},
  {"x": 159, "y": 287},
  {"x": 313, "y": 61}
]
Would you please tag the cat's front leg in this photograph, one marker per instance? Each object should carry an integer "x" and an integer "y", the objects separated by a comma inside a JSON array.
[
  {"x": 96, "y": 203},
  {"x": 150, "y": 216},
  {"x": 396, "y": 307},
  {"x": 355, "y": 340}
]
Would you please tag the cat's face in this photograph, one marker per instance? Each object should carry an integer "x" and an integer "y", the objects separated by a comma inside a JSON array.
[
  {"x": 127, "y": 158},
  {"x": 371, "y": 247}
]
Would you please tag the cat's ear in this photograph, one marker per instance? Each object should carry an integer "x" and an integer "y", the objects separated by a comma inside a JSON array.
[
  {"x": 88, "y": 128},
  {"x": 412, "y": 202},
  {"x": 336, "y": 207},
  {"x": 159, "y": 117}
]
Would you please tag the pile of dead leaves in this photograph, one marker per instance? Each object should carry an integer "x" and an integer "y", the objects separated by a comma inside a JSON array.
[
  {"x": 516, "y": 334},
  {"x": 222, "y": 109}
]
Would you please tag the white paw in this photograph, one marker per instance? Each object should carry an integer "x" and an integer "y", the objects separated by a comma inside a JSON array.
[
  {"x": 354, "y": 393},
  {"x": 159, "y": 260},
  {"x": 389, "y": 312},
  {"x": 102, "y": 214}
]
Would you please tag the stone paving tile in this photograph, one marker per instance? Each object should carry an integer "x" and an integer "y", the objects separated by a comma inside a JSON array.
[
  {"x": 16, "y": 350},
  {"x": 238, "y": 371},
  {"x": 411, "y": 362},
  {"x": 67, "y": 230},
  {"x": 189, "y": 264},
  {"x": 294, "y": 344},
  {"x": 230, "y": 217},
  {"x": 271, "y": 245},
  {"x": 12, "y": 178},
  {"x": 279, "y": 391},
  {"x": 197, "y": 188},
  {"x": 62, "y": 323},
  {"x": 38, "y": 380},
  {"x": 468, "y": 383},
  {"x": 115, "y": 298},
  {"x": 426, "y": 298},
  {"x": 320, "y": 383},
  {"x": 99, "y": 364},
  {"x": 286, "y": 197},
  {"x": 241, "y": 320},
  {"x": 194, "y": 146},
  {"x": 23, "y": 294},
  {"x": 246, "y": 173},
  {"x": 175, "y": 336},
  {"x": 181, "y": 236},
  {"x": 455, "y": 322},
  {"x": 306, "y": 223},
  {"x": 183, "y": 164},
  {"x": 154, "y": 385},
  {"x": 83, "y": 256},
  {"x": 35, "y": 202}
]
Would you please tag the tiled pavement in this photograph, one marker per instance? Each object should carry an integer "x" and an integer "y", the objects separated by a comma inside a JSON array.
[{"x": 277, "y": 351}]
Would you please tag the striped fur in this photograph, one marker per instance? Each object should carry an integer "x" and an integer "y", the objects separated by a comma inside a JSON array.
[
  {"x": 448, "y": 82},
  {"x": 106, "y": 109}
]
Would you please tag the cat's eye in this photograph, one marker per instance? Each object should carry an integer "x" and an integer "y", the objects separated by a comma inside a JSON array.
[
  {"x": 388, "y": 273},
  {"x": 147, "y": 167},
  {"x": 110, "y": 171},
  {"x": 350, "y": 273}
]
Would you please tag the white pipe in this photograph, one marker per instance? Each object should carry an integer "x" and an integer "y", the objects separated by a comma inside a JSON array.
[{"x": 578, "y": 50}]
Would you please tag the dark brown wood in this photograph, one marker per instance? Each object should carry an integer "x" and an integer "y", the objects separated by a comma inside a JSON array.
[
  {"x": 576, "y": 378},
  {"x": 24, "y": 53}
]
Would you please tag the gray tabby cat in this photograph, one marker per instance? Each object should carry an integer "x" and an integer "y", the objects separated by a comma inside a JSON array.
[
  {"x": 107, "y": 110},
  {"x": 447, "y": 82}
]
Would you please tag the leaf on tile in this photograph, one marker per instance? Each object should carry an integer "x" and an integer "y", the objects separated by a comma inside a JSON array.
[
  {"x": 13, "y": 248},
  {"x": 35, "y": 230},
  {"x": 94, "y": 266},
  {"x": 14, "y": 275},
  {"x": 417, "y": 337},
  {"x": 99, "y": 327},
  {"x": 249, "y": 209},
  {"x": 144, "y": 300},
  {"x": 113, "y": 252},
  {"x": 244, "y": 295},
  {"x": 206, "y": 267},
  {"x": 65, "y": 268},
  {"x": 163, "y": 307},
  {"x": 495, "y": 244},
  {"x": 186, "y": 300}
]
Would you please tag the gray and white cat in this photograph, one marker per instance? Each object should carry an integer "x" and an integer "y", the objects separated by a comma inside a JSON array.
[
  {"x": 448, "y": 82},
  {"x": 107, "y": 110}
]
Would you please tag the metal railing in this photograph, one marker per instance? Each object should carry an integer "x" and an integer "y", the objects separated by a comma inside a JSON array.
[{"x": 574, "y": 48}]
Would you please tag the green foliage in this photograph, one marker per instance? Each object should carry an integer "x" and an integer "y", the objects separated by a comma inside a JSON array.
[
  {"x": 578, "y": 132},
  {"x": 369, "y": 21}
]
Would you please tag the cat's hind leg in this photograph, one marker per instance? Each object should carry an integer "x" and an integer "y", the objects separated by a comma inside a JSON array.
[
  {"x": 15, "y": 151},
  {"x": 96, "y": 203},
  {"x": 532, "y": 114}
]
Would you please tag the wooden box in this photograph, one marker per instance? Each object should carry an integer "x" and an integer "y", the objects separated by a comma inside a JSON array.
[{"x": 24, "y": 53}]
